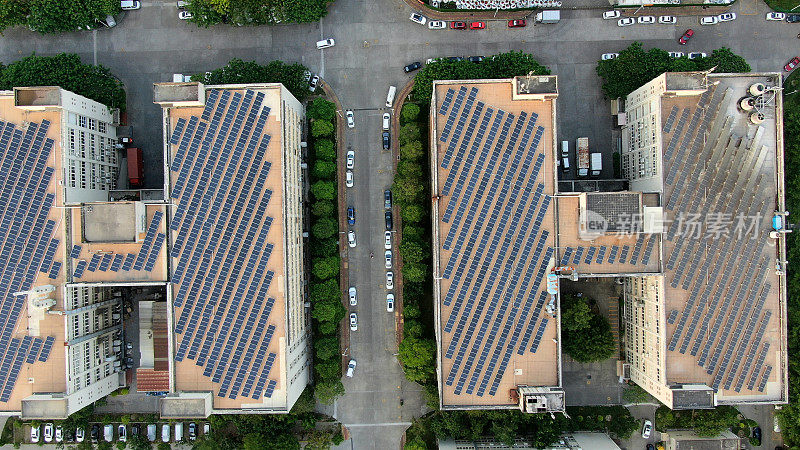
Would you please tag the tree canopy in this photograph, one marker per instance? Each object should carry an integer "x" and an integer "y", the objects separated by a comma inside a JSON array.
[
  {"x": 238, "y": 71},
  {"x": 54, "y": 16},
  {"x": 586, "y": 335},
  {"x": 256, "y": 12},
  {"x": 418, "y": 357}
]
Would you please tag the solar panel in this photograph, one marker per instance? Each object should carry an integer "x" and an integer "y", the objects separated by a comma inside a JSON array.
[
  {"x": 673, "y": 114},
  {"x": 54, "y": 270},
  {"x": 448, "y": 97},
  {"x": 48, "y": 345},
  {"x": 601, "y": 253},
  {"x": 79, "y": 268},
  {"x": 95, "y": 261},
  {"x": 76, "y": 251},
  {"x": 577, "y": 258},
  {"x": 624, "y": 254},
  {"x": 672, "y": 316},
  {"x": 590, "y": 255},
  {"x": 613, "y": 255}
]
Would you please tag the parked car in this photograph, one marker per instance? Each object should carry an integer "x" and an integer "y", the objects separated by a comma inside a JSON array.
[
  {"x": 48, "y": 432},
  {"x": 686, "y": 36},
  {"x": 387, "y": 199},
  {"x": 184, "y": 15},
  {"x": 387, "y": 259},
  {"x": 455, "y": 58},
  {"x": 647, "y": 429},
  {"x": 387, "y": 240},
  {"x": 610, "y": 14},
  {"x": 709, "y": 20},
  {"x": 477, "y": 25},
  {"x": 151, "y": 432},
  {"x": 412, "y": 67},
  {"x": 418, "y": 18},
  {"x": 351, "y": 238},
  {"x": 351, "y": 367},
  {"x": 182, "y": 4},
  {"x": 178, "y": 431},
  {"x": 312, "y": 85},
  {"x": 34, "y": 434},
  {"x": 353, "y": 298},
  {"x": 607, "y": 56},
  {"x": 385, "y": 139},
  {"x": 696, "y": 55},
  {"x": 389, "y": 280},
  {"x": 388, "y": 217},
  {"x": 325, "y": 43},
  {"x": 108, "y": 432},
  {"x": 80, "y": 435},
  {"x": 351, "y": 159},
  {"x": 676, "y": 54},
  {"x": 165, "y": 432},
  {"x": 776, "y": 16},
  {"x": 646, "y": 20},
  {"x": 726, "y": 17},
  {"x": 110, "y": 22},
  {"x": 95, "y": 432},
  {"x": 386, "y": 121},
  {"x": 207, "y": 428},
  {"x": 192, "y": 430},
  {"x": 667, "y": 20},
  {"x": 59, "y": 433},
  {"x": 757, "y": 435},
  {"x": 476, "y": 59},
  {"x": 122, "y": 431},
  {"x": 353, "y": 322},
  {"x": 791, "y": 64},
  {"x": 128, "y": 5},
  {"x": 517, "y": 23},
  {"x": 626, "y": 21},
  {"x": 348, "y": 178},
  {"x": 389, "y": 302},
  {"x": 458, "y": 25},
  {"x": 437, "y": 25},
  {"x": 793, "y": 18},
  {"x": 350, "y": 122},
  {"x": 351, "y": 216},
  {"x": 135, "y": 429}
]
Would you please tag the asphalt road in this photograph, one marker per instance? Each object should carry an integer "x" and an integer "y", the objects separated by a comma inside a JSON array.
[{"x": 374, "y": 40}]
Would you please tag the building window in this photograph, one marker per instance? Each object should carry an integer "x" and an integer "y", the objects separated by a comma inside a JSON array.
[{"x": 101, "y": 127}]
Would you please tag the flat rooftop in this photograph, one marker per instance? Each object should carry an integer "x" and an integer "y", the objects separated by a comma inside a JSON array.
[
  {"x": 723, "y": 296},
  {"x": 493, "y": 237},
  {"x": 226, "y": 225}
]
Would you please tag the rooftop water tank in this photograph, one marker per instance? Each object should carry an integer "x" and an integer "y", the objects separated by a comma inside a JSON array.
[
  {"x": 777, "y": 222},
  {"x": 757, "y": 89},
  {"x": 756, "y": 118}
]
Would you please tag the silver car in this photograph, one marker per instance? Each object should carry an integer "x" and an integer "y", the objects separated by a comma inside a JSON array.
[{"x": 352, "y": 292}]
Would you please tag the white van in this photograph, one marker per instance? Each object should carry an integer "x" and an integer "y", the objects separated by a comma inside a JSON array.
[
  {"x": 127, "y": 5},
  {"x": 151, "y": 432},
  {"x": 178, "y": 431},
  {"x": 565, "y": 149},
  {"x": 165, "y": 432},
  {"x": 390, "y": 96},
  {"x": 325, "y": 43}
]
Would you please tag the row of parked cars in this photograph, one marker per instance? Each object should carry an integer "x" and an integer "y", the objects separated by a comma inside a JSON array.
[{"x": 56, "y": 433}]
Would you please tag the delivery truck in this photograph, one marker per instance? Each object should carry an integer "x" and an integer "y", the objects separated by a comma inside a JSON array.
[
  {"x": 135, "y": 167},
  {"x": 582, "y": 146},
  {"x": 597, "y": 164},
  {"x": 551, "y": 16}
]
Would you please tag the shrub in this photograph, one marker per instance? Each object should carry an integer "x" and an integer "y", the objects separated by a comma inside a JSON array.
[
  {"x": 412, "y": 328},
  {"x": 413, "y": 213},
  {"x": 412, "y": 252},
  {"x": 411, "y": 311}
]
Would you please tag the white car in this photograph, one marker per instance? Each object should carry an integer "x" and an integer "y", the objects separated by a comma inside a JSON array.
[
  {"x": 437, "y": 25},
  {"x": 351, "y": 238},
  {"x": 387, "y": 256},
  {"x": 353, "y": 299},
  {"x": 351, "y": 159},
  {"x": 776, "y": 16},
  {"x": 726, "y": 17},
  {"x": 325, "y": 43},
  {"x": 387, "y": 240},
  {"x": 696, "y": 55},
  {"x": 610, "y": 14},
  {"x": 80, "y": 435},
  {"x": 312, "y": 85},
  {"x": 182, "y": 4},
  {"x": 667, "y": 20},
  {"x": 59, "y": 433},
  {"x": 626, "y": 21},
  {"x": 34, "y": 434},
  {"x": 607, "y": 56},
  {"x": 351, "y": 367},
  {"x": 676, "y": 54},
  {"x": 709, "y": 20},
  {"x": 647, "y": 20},
  {"x": 389, "y": 302},
  {"x": 647, "y": 429},
  {"x": 353, "y": 322},
  {"x": 108, "y": 432},
  {"x": 122, "y": 432},
  {"x": 184, "y": 15},
  {"x": 418, "y": 18},
  {"x": 48, "y": 432},
  {"x": 390, "y": 280},
  {"x": 386, "y": 121},
  {"x": 350, "y": 122},
  {"x": 348, "y": 181},
  {"x": 165, "y": 432},
  {"x": 129, "y": 5}
]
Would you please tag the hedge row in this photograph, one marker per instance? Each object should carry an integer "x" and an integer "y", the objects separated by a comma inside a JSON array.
[{"x": 324, "y": 290}]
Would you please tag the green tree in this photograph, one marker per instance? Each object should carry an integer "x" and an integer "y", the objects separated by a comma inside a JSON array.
[
  {"x": 47, "y": 16},
  {"x": 327, "y": 391},
  {"x": 328, "y": 312},
  {"x": 319, "y": 440},
  {"x": 323, "y": 190},
  {"x": 326, "y": 347},
  {"x": 635, "y": 394},
  {"x": 411, "y": 311},
  {"x": 322, "y": 109},
  {"x": 139, "y": 442},
  {"x": 414, "y": 271},
  {"x": 412, "y": 251},
  {"x": 65, "y": 70},
  {"x": 726, "y": 61},
  {"x": 409, "y": 169},
  {"x": 323, "y": 208},
  {"x": 413, "y": 213},
  {"x": 410, "y": 112},
  {"x": 325, "y": 170},
  {"x": 409, "y": 132},
  {"x": 329, "y": 369},
  {"x": 412, "y": 151},
  {"x": 122, "y": 445},
  {"x": 103, "y": 445},
  {"x": 327, "y": 290},
  {"x": 413, "y": 232},
  {"x": 576, "y": 315},
  {"x": 324, "y": 150},
  {"x": 327, "y": 328},
  {"x": 325, "y": 247},
  {"x": 407, "y": 191},
  {"x": 321, "y": 128},
  {"x": 418, "y": 358},
  {"x": 324, "y": 268},
  {"x": 325, "y": 228},
  {"x": 631, "y": 69},
  {"x": 586, "y": 336},
  {"x": 412, "y": 328}
]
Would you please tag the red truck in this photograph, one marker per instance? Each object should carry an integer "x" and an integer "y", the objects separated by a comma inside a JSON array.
[{"x": 135, "y": 167}]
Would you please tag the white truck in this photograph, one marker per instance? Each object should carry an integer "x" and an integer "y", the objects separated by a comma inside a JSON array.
[
  {"x": 550, "y": 16},
  {"x": 597, "y": 164},
  {"x": 582, "y": 145}
]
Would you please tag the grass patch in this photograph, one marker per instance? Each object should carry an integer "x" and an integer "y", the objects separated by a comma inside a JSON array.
[{"x": 783, "y": 5}]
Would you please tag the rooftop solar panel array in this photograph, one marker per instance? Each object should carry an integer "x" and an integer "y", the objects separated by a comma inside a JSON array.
[
  {"x": 493, "y": 192},
  {"x": 708, "y": 168},
  {"x": 221, "y": 249},
  {"x": 27, "y": 243}
]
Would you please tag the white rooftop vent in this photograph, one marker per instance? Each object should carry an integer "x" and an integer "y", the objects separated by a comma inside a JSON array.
[
  {"x": 756, "y": 118},
  {"x": 757, "y": 89}
]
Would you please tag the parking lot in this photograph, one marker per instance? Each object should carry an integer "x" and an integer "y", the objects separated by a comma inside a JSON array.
[{"x": 54, "y": 432}]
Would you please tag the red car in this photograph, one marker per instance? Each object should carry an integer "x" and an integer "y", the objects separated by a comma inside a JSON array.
[
  {"x": 792, "y": 64},
  {"x": 516, "y": 23},
  {"x": 458, "y": 25},
  {"x": 686, "y": 36},
  {"x": 477, "y": 25}
]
